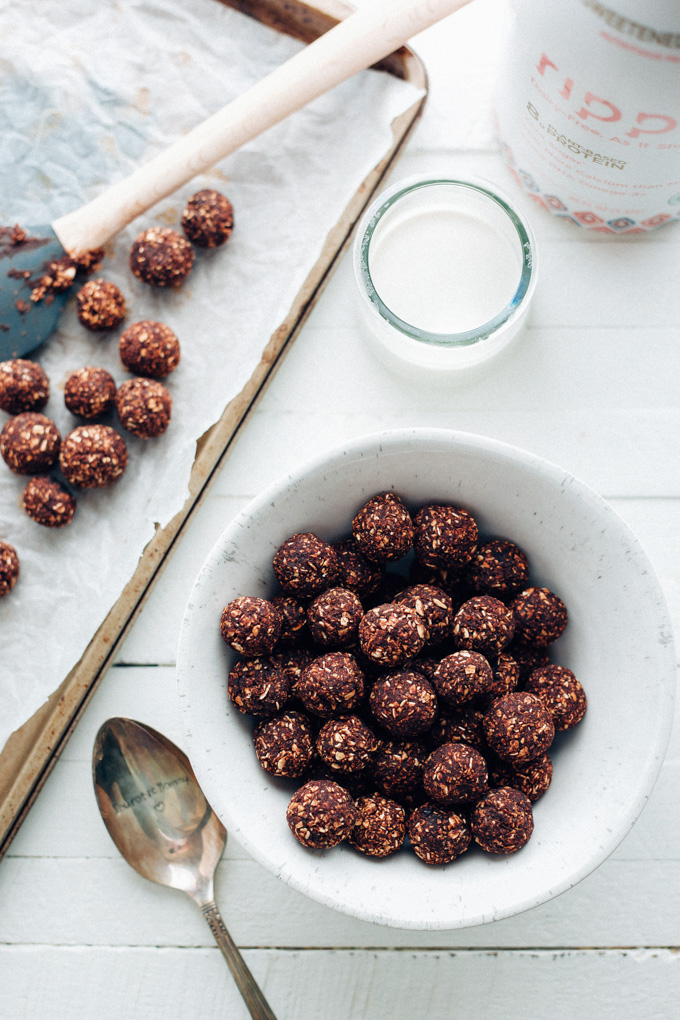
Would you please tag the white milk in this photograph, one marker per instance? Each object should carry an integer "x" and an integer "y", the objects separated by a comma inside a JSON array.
[{"x": 443, "y": 270}]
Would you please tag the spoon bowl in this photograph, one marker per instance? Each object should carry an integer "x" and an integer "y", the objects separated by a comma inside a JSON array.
[{"x": 158, "y": 817}]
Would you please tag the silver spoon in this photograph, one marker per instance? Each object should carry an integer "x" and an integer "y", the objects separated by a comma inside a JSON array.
[{"x": 159, "y": 819}]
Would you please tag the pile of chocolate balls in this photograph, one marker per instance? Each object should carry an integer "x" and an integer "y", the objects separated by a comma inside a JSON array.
[
  {"x": 94, "y": 455},
  {"x": 418, "y": 702}
]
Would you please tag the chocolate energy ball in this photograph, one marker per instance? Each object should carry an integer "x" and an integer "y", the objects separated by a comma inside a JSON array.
[
  {"x": 23, "y": 386},
  {"x": 433, "y": 606},
  {"x": 258, "y": 687},
  {"x": 448, "y": 579},
  {"x": 9, "y": 568},
  {"x": 528, "y": 659},
  {"x": 465, "y": 726},
  {"x": 333, "y": 617},
  {"x": 93, "y": 456},
  {"x": 505, "y": 677},
  {"x": 444, "y": 537},
  {"x": 161, "y": 257},
  {"x": 380, "y": 826},
  {"x": 462, "y": 676},
  {"x": 518, "y": 727},
  {"x": 383, "y": 528},
  {"x": 100, "y": 305},
  {"x": 533, "y": 778},
  {"x": 293, "y": 661},
  {"x": 293, "y": 620},
  {"x": 398, "y": 767},
  {"x": 483, "y": 624},
  {"x": 455, "y": 773},
  {"x": 498, "y": 568},
  {"x": 391, "y": 634},
  {"x": 150, "y": 349},
  {"x": 46, "y": 502},
  {"x": 437, "y": 834},
  {"x": 404, "y": 703},
  {"x": 502, "y": 821},
  {"x": 284, "y": 745},
  {"x": 250, "y": 625},
  {"x": 144, "y": 407},
  {"x": 331, "y": 685},
  {"x": 355, "y": 572},
  {"x": 208, "y": 218},
  {"x": 305, "y": 565},
  {"x": 561, "y": 693},
  {"x": 321, "y": 814},
  {"x": 346, "y": 744},
  {"x": 90, "y": 392},
  {"x": 29, "y": 443},
  {"x": 540, "y": 617}
]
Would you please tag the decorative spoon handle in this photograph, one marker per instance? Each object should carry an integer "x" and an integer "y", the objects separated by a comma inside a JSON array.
[{"x": 247, "y": 985}]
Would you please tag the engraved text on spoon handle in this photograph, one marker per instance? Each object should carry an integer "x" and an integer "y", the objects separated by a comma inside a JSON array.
[{"x": 247, "y": 986}]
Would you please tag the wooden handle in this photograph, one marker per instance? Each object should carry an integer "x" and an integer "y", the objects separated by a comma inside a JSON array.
[{"x": 363, "y": 39}]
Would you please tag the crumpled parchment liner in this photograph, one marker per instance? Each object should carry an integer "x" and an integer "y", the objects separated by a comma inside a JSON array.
[{"x": 88, "y": 92}]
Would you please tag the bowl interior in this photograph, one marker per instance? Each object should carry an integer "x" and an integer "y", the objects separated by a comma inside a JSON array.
[{"x": 618, "y": 643}]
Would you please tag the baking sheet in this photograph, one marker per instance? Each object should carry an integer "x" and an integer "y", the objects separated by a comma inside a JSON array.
[{"x": 80, "y": 107}]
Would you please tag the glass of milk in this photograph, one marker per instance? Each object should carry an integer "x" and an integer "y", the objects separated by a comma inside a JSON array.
[{"x": 445, "y": 269}]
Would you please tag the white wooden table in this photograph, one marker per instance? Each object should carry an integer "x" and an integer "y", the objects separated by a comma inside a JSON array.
[{"x": 591, "y": 385}]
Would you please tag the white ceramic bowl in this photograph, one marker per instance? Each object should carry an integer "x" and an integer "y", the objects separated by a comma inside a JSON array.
[{"x": 618, "y": 643}]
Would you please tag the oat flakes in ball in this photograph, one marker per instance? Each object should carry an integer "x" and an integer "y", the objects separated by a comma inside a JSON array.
[
  {"x": 383, "y": 529},
  {"x": 293, "y": 620},
  {"x": 100, "y": 305},
  {"x": 463, "y": 726},
  {"x": 433, "y": 606},
  {"x": 284, "y": 745},
  {"x": 321, "y": 814},
  {"x": 250, "y": 625},
  {"x": 48, "y": 503},
  {"x": 540, "y": 617},
  {"x": 346, "y": 744},
  {"x": 533, "y": 778},
  {"x": 398, "y": 767},
  {"x": 561, "y": 693},
  {"x": 380, "y": 826},
  {"x": 404, "y": 703},
  {"x": 331, "y": 685},
  {"x": 293, "y": 661},
  {"x": 161, "y": 257},
  {"x": 9, "y": 568},
  {"x": 258, "y": 686},
  {"x": 483, "y": 624},
  {"x": 208, "y": 218},
  {"x": 462, "y": 676},
  {"x": 334, "y": 616},
  {"x": 355, "y": 572},
  {"x": 438, "y": 835},
  {"x": 505, "y": 677},
  {"x": 455, "y": 773},
  {"x": 150, "y": 349},
  {"x": 518, "y": 727},
  {"x": 498, "y": 568},
  {"x": 445, "y": 536},
  {"x": 391, "y": 634},
  {"x": 23, "y": 386},
  {"x": 305, "y": 565},
  {"x": 502, "y": 821},
  {"x": 93, "y": 456},
  {"x": 144, "y": 407},
  {"x": 29, "y": 443},
  {"x": 90, "y": 392},
  {"x": 528, "y": 659}
]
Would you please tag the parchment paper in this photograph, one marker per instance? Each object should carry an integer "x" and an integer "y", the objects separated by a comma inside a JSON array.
[{"x": 90, "y": 90}]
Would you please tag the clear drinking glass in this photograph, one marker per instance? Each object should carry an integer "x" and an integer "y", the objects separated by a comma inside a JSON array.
[{"x": 473, "y": 202}]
